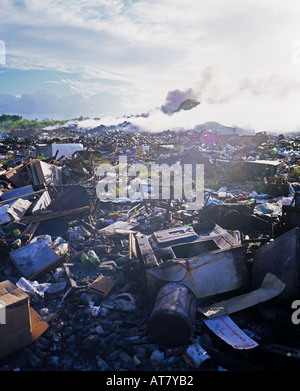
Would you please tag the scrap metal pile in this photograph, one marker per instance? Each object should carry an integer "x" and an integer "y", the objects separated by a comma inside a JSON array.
[{"x": 95, "y": 284}]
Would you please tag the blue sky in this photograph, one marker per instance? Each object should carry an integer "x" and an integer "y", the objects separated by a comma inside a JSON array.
[{"x": 109, "y": 58}]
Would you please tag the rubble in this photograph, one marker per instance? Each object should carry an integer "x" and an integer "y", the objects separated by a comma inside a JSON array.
[{"x": 145, "y": 284}]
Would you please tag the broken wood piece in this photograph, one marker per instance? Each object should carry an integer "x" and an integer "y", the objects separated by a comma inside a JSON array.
[
  {"x": 30, "y": 230},
  {"x": 102, "y": 286},
  {"x": 51, "y": 215}
]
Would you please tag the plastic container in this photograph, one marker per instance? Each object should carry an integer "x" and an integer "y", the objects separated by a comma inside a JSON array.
[
  {"x": 16, "y": 233},
  {"x": 93, "y": 258},
  {"x": 84, "y": 258},
  {"x": 17, "y": 244}
]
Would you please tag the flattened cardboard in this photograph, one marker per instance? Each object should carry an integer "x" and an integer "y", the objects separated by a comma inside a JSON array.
[
  {"x": 38, "y": 326},
  {"x": 271, "y": 287}
]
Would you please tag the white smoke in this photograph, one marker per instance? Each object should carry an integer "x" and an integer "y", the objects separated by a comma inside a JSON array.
[
  {"x": 266, "y": 104},
  {"x": 245, "y": 110}
]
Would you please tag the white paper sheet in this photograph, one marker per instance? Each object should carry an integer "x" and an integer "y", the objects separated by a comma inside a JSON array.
[{"x": 227, "y": 330}]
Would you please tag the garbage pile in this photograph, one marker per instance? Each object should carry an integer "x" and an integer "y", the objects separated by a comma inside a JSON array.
[{"x": 89, "y": 283}]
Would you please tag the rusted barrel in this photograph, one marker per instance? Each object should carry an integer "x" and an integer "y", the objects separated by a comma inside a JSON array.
[{"x": 173, "y": 315}]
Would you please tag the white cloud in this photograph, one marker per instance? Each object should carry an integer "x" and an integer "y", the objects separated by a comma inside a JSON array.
[{"x": 135, "y": 52}]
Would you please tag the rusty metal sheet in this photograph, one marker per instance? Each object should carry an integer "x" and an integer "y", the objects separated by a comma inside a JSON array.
[
  {"x": 280, "y": 257},
  {"x": 206, "y": 275}
]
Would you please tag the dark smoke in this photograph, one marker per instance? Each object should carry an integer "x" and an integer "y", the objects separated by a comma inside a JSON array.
[{"x": 174, "y": 98}]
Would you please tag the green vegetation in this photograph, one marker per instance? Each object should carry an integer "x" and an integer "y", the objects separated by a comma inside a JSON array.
[
  {"x": 233, "y": 174},
  {"x": 295, "y": 172},
  {"x": 13, "y": 122},
  {"x": 187, "y": 104}
]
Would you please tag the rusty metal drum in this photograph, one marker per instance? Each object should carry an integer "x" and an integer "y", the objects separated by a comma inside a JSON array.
[{"x": 172, "y": 317}]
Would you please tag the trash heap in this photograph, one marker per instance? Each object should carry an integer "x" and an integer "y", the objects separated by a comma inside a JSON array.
[{"x": 95, "y": 284}]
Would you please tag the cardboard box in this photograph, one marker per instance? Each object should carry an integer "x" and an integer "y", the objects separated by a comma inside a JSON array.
[
  {"x": 16, "y": 332},
  {"x": 20, "y": 325}
]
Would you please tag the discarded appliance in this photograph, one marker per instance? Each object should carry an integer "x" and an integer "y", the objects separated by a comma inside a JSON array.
[
  {"x": 208, "y": 262},
  {"x": 46, "y": 173},
  {"x": 32, "y": 258},
  {"x": 262, "y": 168},
  {"x": 59, "y": 150},
  {"x": 20, "y": 325},
  {"x": 280, "y": 257},
  {"x": 172, "y": 318}
]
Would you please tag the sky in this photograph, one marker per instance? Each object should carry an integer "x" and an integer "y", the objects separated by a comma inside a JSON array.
[{"x": 113, "y": 58}]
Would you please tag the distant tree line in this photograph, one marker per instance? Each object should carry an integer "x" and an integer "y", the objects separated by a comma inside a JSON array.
[
  {"x": 13, "y": 122},
  {"x": 7, "y": 117}
]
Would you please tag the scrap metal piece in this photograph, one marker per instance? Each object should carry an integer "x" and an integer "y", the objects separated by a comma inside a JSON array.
[
  {"x": 209, "y": 262},
  {"x": 280, "y": 257}
]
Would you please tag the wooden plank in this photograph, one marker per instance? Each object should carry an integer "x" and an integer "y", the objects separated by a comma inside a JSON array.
[
  {"x": 52, "y": 215},
  {"x": 102, "y": 286}
]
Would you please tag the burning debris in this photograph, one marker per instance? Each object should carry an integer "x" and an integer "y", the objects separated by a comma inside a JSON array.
[{"x": 94, "y": 282}]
